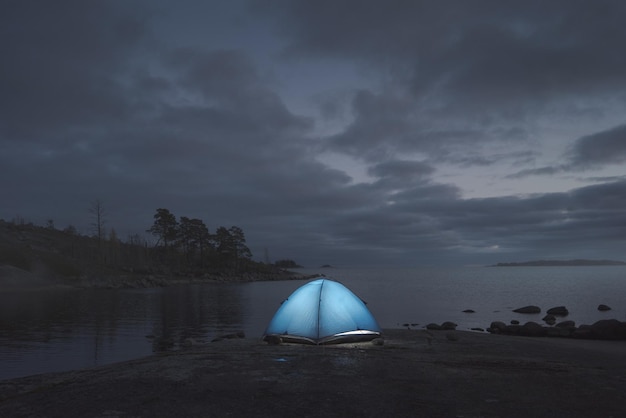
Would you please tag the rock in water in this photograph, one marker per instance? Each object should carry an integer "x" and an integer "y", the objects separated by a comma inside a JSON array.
[
  {"x": 603, "y": 308},
  {"x": 558, "y": 310},
  {"x": 566, "y": 324}
]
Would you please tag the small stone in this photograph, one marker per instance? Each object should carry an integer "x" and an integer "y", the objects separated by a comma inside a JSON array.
[{"x": 603, "y": 308}]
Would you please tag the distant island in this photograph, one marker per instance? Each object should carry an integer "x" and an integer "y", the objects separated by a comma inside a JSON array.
[{"x": 557, "y": 263}]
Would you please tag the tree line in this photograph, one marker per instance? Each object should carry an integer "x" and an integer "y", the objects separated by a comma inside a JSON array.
[
  {"x": 187, "y": 243},
  {"x": 183, "y": 246}
]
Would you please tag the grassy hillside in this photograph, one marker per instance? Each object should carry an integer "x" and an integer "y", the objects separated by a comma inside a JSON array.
[{"x": 32, "y": 254}]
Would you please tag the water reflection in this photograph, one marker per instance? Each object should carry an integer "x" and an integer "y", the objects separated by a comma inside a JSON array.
[
  {"x": 62, "y": 330},
  {"x": 65, "y": 329}
]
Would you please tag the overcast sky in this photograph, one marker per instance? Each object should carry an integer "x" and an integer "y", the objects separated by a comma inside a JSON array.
[{"x": 343, "y": 132}]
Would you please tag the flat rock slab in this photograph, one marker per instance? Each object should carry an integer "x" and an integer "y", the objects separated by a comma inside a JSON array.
[{"x": 415, "y": 373}]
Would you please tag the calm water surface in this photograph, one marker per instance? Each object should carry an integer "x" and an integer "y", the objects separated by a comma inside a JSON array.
[{"x": 69, "y": 329}]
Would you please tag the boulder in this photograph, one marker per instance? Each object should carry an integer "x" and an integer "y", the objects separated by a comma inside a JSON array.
[
  {"x": 603, "y": 308},
  {"x": 497, "y": 327},
  {"x": 532, "y": 329},
  {"x": 449, "y": 326},
  {"x": 469, "y": 311},
  {"x": 564, "y": 329},
  {"x": 513, "y": 329},
  {"x": 433, "y": 327},
  {"x": 609, "y": 329},
  {"x": 549, "y": 319},
  {"x": 558, "y": 311},
  {"x": 514, "y": 322},
  {"x": 528, "y": 309}
]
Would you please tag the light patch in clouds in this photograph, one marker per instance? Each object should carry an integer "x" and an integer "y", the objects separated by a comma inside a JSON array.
[
  {"x": 355, "y": 169},
  {"x": 602, "y": 151}
]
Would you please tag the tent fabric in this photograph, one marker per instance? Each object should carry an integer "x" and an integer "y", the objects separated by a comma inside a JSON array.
[{"x": 323, "y": 311}]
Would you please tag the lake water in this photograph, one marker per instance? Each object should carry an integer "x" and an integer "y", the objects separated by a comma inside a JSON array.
[{"x": 59, "y": 330}]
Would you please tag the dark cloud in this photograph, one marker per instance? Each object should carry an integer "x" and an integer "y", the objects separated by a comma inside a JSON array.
[
  {"x": 464, "y": 68},
  {"x": 602, "y": 148},
  {"x": 387, "y": 125},
  {"x": 62, "y": 63},
  {"x": 381, "y": 125},
  {"x": 401, "y": 169},
  {"x": 433, "y": 220},
  {"x": 487, "y": 47},
  {"x": 100, "y": 100},
  {"x": 548, "y": 224}
]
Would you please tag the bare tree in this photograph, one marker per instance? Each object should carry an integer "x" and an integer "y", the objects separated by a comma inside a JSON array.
[
  {"x": 98, "y": 221},
  {"x": 98, "y": 218}
]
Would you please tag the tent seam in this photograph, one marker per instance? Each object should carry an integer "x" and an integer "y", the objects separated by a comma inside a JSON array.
[{"x": 319, "y": 309}]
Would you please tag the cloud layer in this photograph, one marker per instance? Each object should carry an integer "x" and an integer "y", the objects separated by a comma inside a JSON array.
[{"x": 472, "y": 132}]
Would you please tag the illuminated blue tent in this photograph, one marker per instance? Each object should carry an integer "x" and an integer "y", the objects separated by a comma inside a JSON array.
[{"x": 321, "y": 312}]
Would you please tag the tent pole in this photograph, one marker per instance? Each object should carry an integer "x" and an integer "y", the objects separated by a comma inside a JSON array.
[{"x": 319, "y": 309}]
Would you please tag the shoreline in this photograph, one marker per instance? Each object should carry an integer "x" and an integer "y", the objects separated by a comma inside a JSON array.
[
  {"x": 13, "y": 280},
  {"x": 415, "y": 373}
]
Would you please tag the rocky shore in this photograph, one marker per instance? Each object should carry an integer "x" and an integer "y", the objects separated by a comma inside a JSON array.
[
  {"x": 605, "y": 329},
  {"x": 13, "y": 278},
  {"x": 161, "y": 280},
  {"x": 413, "y": 373}
]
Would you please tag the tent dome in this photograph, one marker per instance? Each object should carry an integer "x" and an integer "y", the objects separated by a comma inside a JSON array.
[{"x": 320, "y": 312}]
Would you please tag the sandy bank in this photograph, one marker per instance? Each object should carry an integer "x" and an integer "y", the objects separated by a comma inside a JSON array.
[{"x": 476, "y": 375}]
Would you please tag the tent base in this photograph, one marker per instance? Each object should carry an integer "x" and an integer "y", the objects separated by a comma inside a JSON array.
[{"x": 344, "y": 337}]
